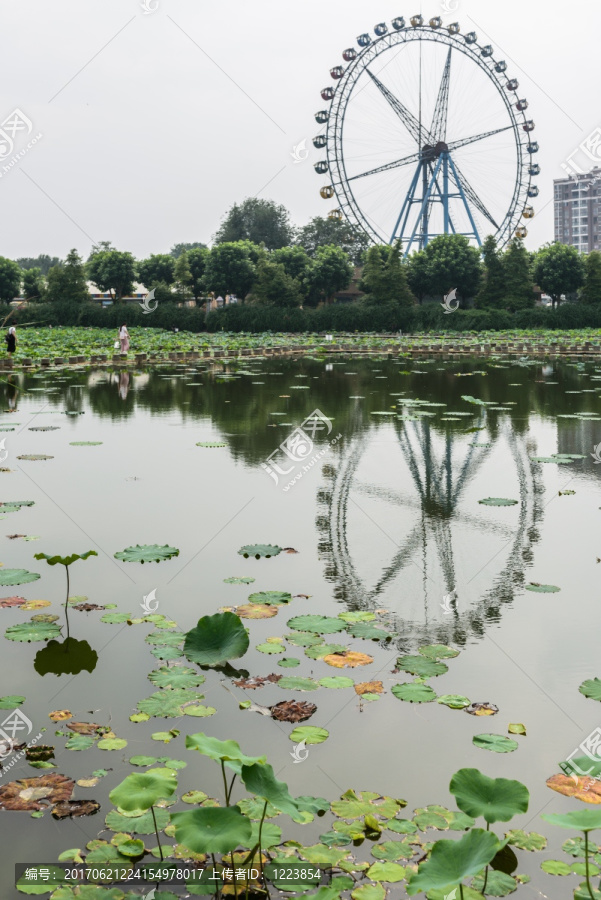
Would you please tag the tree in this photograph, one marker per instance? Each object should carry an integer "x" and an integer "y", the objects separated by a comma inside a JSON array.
[
  {"x": 274, "y": 287},
  {"x": 67, "y": 282},
  {"x": 295, "y": 260},
  {"x": 591, "y": 291},
  {"x": 558, "y": 269},
  {"x": 230, "y": 269},
  {"x": 385, "y": 278},
  {"x": 10, "y": 279},
  {"x": 197, "y": 261},
  {"x": 417, "y": 274},
  {"x": 42, "y": 262},
  {"x": 259, "y": 221},
  {"x": 33, "y": 284},
  {"x": 111, "y": 270},
  {"x": 321, "y": 232},
  {"x": 330, "y": 271},
  {"x": 182, "y": 274},
  {"x": 519, "y": 290},
  {"x": 493, "y": 288},
  {"x": 178, "y": 249},
  {"x": 158, "y": 267},
  {"x": 452, "y": 263}
]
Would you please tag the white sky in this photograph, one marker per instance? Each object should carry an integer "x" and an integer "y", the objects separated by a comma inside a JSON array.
[{"x": 160, "y": 122}]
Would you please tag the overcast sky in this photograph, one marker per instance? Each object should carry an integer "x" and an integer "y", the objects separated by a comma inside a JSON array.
[{"x": 154, "y": 124}]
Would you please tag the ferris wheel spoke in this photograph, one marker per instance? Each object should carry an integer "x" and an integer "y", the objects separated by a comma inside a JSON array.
[
  {"x": 392, "y": 165},
  {"x": 470, "y": 193},
  {"x": 439, "y": 119},
  {"x": 455, "y": 145},
  {"x": 417, "y": 131}
]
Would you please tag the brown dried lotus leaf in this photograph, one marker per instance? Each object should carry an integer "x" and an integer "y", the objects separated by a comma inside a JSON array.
[
  {"x": 84, "y": 727},
  {"x": 5, "y": 602},
  {"x": 28, "y": 793},
  {"x": 256, "y": 611},
  {"x": 482, "y": 709},
  {"x": 59, "y": 715},
  {"x": 35, "y": 604},
  {"x": 586, "y": 789},
  {"x": 369, "y": 687},
  {"x": 74, "y": 808},
  {"x": 293, "y": 710},
  {"x": 349, "y": 660},
  {"x": 257, "y": 681}
]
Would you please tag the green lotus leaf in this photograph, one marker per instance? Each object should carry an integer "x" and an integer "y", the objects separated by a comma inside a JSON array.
[
  {"x": 228, "y": 751},
  {"x": 497, "y": 501},
  {"x": 271, "y": 598},
  {"x": 147, "y": 553},
  {"x": 555, "y": 867},
  {"x": 369, "y": 892},
  {"x": 576, "y": 819},
  {"x": 64, "y": 560},
  {"x": 393, "y": 850},
  {"x": 216, "y": 639},
  {"x": 165, "y": 653},
  {"x": 296, "y": 683},
  {"x": 143, "y": 760},
  {"x": 271, "y": 835},
  {"x": 400, "y": 826},
  {"x": 32, "y": 631},
  {"x": 132, "y": 848},
  {"x": 498, "y": 884},
  {"x": 17, "y": 576},
  {"x": 452, "y": 861},
  {"x": 438, "y": 651},
  {"x": 496, "y": 799},
  {"x": 542, "y": 588},
  {"x": 212, "y": 444},
  {"x": 317, "y": 624},
  {"x": 141, "y": 790},
  {"x": 591, "y": 688},
  {"x": 212, "y": 830},
  {"x": 200, "y": 711},
  {"x": 368, "y": 632},
  {"x": 168, "y": 703},
  {"x": 353, "y": 617},
  {"x": 309, "y": 734},
  {"x": 11, "y": 702},
  {"x": 115, "y": 618},
  {"x": 319, "y": 855},
  {"x": 413, "y": 692},
  {"x": 259, "y": 550},
  {"x": 453, "y": 701},
  {"x": 165, "y": 638},
  {"x": 420, "y": 665},
  {"x": 260, "y": 780},
  {"x": 271, "y": 647},
  {"x": 176, "y": 677},
  {"x": 233, "y": 580},
  {"x": 365, "y": 803},
  {"x": 386, "y": 871},
  {"x": 144, "y": 824},
  {"x": 498, "y": 743},
  {"x": 113, "y": 743},
  {"x": 288, "y": 662},
  {"x": 336, "y": 681},
  {"x": 318, "y": 651},
  {"x": 526, "y": 841},
  {"x": 304, "y": 639}
]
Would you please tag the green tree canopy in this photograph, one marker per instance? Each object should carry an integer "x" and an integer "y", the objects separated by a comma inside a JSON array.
[
  {"x": 33, "y": 284},
  {"x": 417, "y": 274},
  {"x": 330, "y": 271},
  {"x": 67, "y": 282},
  {"x": 493, "y": 288},
  {"x": 230, "y": 269},
  {"x": 385, "y": 277},
  {"x": 111, "y": 270},
  {"x": 43, "y": 262},
  {"x": 591, "y": 291},
  {"x": 320, "y": 232},
  {"x": 197, "y": 261},
  {"x": 182, "y": 274},
  {"x": 256, "y": 220},
  {"x": 158, "y": 267},
  {"x": 274, "y": 287},
  {"x": 559, "y": 269},
  {"x": 10, "y": 279},
  {"x": 452, "y": 263},
  {"x": 519, "y": 289},
  {"x": 178, "y": 249},
  {"x": 295, "y": 260}
]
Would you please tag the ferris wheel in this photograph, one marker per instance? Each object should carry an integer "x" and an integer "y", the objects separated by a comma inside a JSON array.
[{"x": 426, "y": 135}]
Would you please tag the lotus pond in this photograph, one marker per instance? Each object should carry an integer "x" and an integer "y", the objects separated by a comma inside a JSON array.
[{"x": 285, "y": 619}]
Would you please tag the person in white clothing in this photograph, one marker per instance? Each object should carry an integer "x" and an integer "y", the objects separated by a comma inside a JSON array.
[{"x": 124, "y": 338}]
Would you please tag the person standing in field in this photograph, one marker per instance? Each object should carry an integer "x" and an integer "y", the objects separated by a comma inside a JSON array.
[
  {"x": 11, "y": 340},
  {"x": 124, "y": 338}
]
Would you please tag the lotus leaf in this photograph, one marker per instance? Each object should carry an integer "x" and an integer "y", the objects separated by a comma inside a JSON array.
[
  {"x": 17, "y": 576},
  {"x": 350, "y": 659},
  {"x": 414, "y": 692},
  {"x": 212, "y": 830},
  {"x": 393, "y": 850},
  {"x": 309, "y": 734},
  {"x": 259, "y": 779},
  {"x": 259, "y": 550},
  {"x": 32, "y": 631},
  {"x": 526, "y": 841},
  {"x": 365, "y": 803},
  {"x": 495, "y": 742},
  {"x": 271, "y": 598},
  {"x": 337, "y": 681},
  {"x": 498, "y": 501},
  {"x": 147, "y": 553},
  {"x": 420, "y": 665},
  {"x": 438, "y": 651},
  {"x": 12, "y": 701},
  {"x": 176, "y": 677},
  {"x": 542, "y": 588},
  {"x": 496, "y": 799},
  {"x": 453, "y": 701},
  {"x": 576, "y": 819},
  {"x": 216, "y": 639},
  {"x": 317, "y": 624},
  {"x": 168, "y": 703},
  {"x": 144, "y": 824},
  {"x": 368, "y": 632},
  {"x": 296, "y": 683},
  {"x": 141, "y": 790},
  {"x": 498, "y": 884},
  {"x": 228, "y": 751},
  {"x": 452, "y": 861}
]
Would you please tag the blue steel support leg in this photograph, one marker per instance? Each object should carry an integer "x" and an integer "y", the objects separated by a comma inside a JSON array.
[
  {"x": 426, "y": 200},
  {"x": 406, "y": 206},
  {"x": 465, "y": 203}
]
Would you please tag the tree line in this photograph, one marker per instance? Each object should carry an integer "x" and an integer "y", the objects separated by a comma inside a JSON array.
[{"x": 258, "y": 256}]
